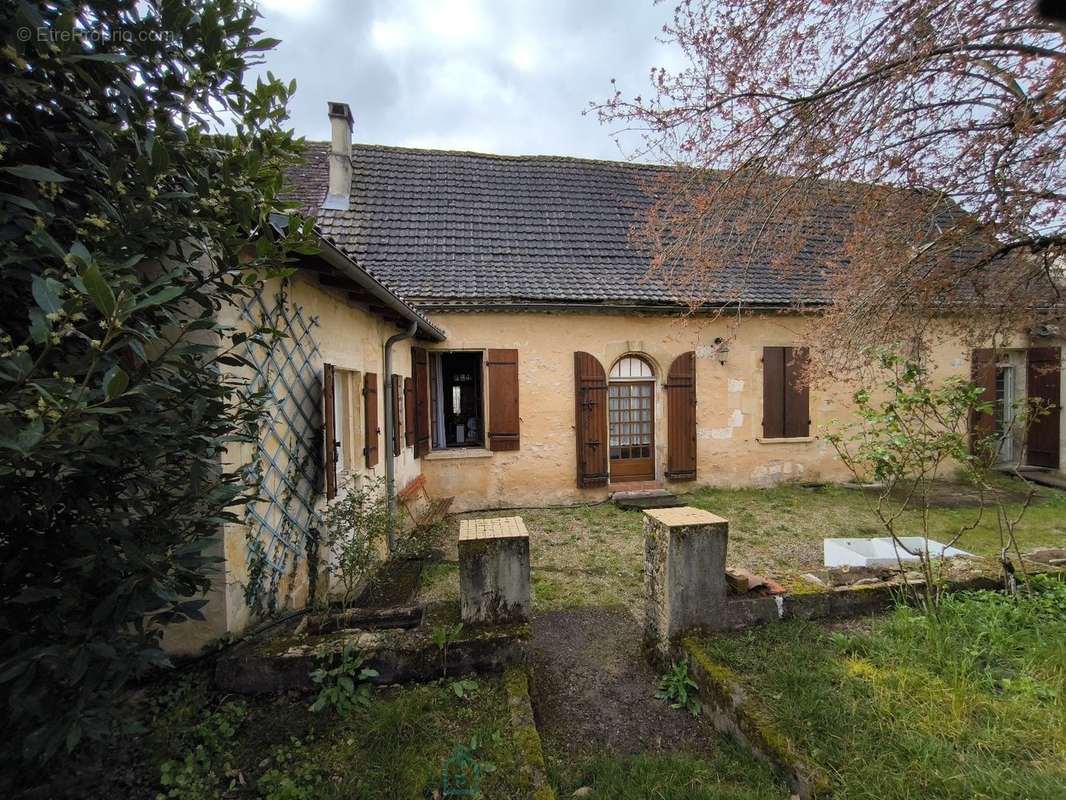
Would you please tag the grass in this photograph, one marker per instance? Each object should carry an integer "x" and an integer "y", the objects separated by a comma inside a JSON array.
[
  {"x": 969, "y": 704},
  {"x": 729, "y": 773},
  {"x": 594, "y": 555},
  {"x": 275, "y": 748},
  {"x": 781, "y": 530}
]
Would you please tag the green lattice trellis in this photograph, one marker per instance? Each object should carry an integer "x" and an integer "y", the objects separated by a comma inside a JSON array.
[{"x": 283, "y": 523}]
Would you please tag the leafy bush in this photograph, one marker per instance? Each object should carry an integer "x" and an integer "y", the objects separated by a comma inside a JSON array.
[
  {"x": 344, "y": 681},
  {"x": 678, "y": 689},
  {"x": 208, "y": 757},
  {"x": 422, "y": 541},
  {"x": 127, "y": 226},
  {"x": 291, "y": 776},
  {"x": 355, "y": 526}
]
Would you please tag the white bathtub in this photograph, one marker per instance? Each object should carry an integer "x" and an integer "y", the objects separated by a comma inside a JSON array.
[{"x": 882, "y": 552}]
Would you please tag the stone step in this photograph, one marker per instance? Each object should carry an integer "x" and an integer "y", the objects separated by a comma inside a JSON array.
[
  {"x": 654, "y": 498},
  {"x": 1043, "y": 477}
]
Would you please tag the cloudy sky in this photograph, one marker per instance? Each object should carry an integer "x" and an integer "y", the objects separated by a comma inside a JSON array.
[{"x": 500, "y": 76}]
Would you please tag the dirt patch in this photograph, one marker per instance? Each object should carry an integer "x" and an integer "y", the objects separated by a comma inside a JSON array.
[{"x": 592, "y": 689}]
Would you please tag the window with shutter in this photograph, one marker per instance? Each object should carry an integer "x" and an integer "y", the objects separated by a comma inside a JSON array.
[
  {"x": 330, "y": 430},
  {"x": 786, "y": 396},
  {"x": 983, "y": 376},
  {"x": 590, "y": 420},
  {"x": 409, "y": 411},
  {"x": 420, "y": 369},
  {"x": 681, "y": 418},
  {"x": 370, "y": 416},
  {"x": 503, "y": 400},
  {"x": 397, "y": 422}
]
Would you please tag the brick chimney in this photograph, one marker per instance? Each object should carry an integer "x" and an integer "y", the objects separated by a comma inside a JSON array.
[{"x": 340, "y": 157}]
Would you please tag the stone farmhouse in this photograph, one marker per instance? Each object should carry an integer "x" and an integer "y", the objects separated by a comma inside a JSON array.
[{"x": 486, "y": 323}]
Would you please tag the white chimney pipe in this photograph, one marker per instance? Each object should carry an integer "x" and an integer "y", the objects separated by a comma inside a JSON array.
[{"x": 340, "y": 157}]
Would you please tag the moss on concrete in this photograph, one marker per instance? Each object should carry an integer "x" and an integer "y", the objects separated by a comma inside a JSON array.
[
  {"x": 525, "y": 735},
  {"x": 734, "y": 713}
]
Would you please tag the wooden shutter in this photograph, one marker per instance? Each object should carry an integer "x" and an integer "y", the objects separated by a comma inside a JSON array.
[
  {"x": 370, "y": 414},
  {"x": 797, "y": 393},
  {"x": 681, "y": 418},
  {"x": 1043, "y": 382},
  {"x": 983, "y": 423},
  {"x": 397, "y": 423},
  {"x": 503, "y": 400},
  {"x": 590, "y": 420},
  {"x": 420, "y": 368},
  {"x": 409, "y": 411},
  {"x": 773, "y": 392},
  {"x": 330, "y": 432}
]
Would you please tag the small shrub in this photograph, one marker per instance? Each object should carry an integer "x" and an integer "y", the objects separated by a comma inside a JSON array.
[
  {"x": 678, "y": 689},
  {"x": 444, "y": 635},
  {"x": 344, "y": 684},
  {"x": 290, "y": 777},
  {"x": 355, "y": 526},
  {"x": 464, "y": 688},
  {"x": 421, "y": 542},
  {"x": 207, "y": 759}
]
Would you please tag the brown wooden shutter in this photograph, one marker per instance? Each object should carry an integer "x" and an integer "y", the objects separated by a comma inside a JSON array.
[
  {"x": 409, "y": 411},
  {"x": 330, "y": 430},
  {"x": 681, "y": 418},
  {"x": 983, "y": 376},
  {"x": 797, "y": 393},
  {"x": 590, "y": 420},
  {"x": 503, "y": 400},
  {"x": 397, "y": 423},
  {"x": 773, "y": 392},
  {"x": 420, "y": 368},
  {"x": 370, "y": 406},
  {"x": 1043, "y": 382}
]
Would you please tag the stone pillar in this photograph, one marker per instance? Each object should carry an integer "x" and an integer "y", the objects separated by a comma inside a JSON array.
[
  {"x": 684, "y": 572},
  {"x": 494, "y": 570}
]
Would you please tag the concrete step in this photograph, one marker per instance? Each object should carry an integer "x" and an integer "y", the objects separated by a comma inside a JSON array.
[
  {"x": 1044, "y": 477},
  {"x": 652, "y": 498}
]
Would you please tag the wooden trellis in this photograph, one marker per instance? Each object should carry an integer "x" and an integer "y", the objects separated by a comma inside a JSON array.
[{"x": 282, "y": 524}]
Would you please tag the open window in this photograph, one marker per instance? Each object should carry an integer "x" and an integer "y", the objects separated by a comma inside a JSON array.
[{"x": 456, "y": 399}]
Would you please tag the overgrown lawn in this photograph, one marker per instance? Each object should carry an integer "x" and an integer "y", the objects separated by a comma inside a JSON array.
[{"x": 971, "y": 703}]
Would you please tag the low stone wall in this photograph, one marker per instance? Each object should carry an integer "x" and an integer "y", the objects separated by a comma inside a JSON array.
[
  {"x": 285, "y": 662},
  {"x": 726, "y": 703},
  {"x": 526, "y": 738}
]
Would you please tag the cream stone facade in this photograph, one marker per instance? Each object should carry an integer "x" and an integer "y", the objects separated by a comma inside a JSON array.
[
  {"x": 731, "y": 450},
  {"x": 352, "y": 339}
]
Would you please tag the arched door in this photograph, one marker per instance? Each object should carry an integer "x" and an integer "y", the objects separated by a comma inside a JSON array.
[{"x": 631, "y": 420}]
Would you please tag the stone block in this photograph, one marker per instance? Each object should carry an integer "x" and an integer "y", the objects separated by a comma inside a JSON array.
[
  {"x": 494, "y": 585},
  {"x": 684, "y": 572}
]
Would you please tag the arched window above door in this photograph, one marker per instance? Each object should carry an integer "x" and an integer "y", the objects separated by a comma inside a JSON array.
[{"x": 632, "y": 368}]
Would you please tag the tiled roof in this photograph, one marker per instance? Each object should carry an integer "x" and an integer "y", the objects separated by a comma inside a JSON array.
[{"x": 444, "y": 228}]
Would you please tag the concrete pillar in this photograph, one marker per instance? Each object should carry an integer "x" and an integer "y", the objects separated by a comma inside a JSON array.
[
  {"x": 494, "y": 570},
  {"x": 684, "y": 572}
]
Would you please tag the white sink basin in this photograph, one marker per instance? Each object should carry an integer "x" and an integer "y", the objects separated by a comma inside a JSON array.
[{"x": 882, "y": 552}]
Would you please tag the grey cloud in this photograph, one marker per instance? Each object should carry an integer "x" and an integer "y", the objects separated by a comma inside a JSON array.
[{"x": 503, "y": 77}]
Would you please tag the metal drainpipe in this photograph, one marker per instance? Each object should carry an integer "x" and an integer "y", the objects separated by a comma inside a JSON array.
[{"x": 390, "y": 427}]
